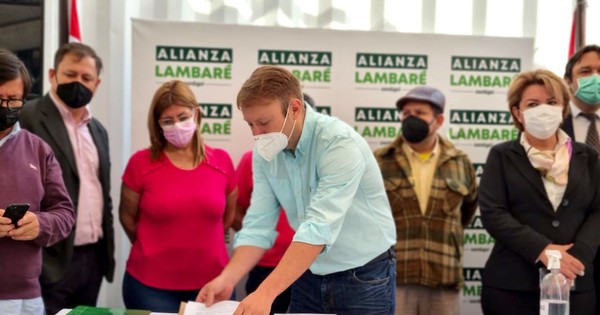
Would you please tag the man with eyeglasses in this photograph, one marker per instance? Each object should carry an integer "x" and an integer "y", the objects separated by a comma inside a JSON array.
[
  {"x": 73, "y": 269},
  {"x": 30, "y": 177}
]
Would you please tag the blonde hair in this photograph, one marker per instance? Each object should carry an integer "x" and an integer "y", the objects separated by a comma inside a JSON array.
[
  {"x": 269, "y": 83},
  {"x": 553, "y": 84},
  {"x": 173, "y": 92}
]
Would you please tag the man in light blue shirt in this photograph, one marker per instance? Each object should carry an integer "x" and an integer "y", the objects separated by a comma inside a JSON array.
[{"x": 326, "y": 178}]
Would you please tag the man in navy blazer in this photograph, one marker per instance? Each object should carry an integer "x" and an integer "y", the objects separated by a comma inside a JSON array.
[
  {"x": 73, "y": 269},
  {"x": 585, "y": 102},
  {"x": 583, "y": 65}
]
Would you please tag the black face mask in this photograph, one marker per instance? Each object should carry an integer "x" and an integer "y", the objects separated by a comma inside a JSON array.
[
  {"x": 414, "y": 129},
  {"x": 8, "y": 117},
  {"x": 74, "y": 94}
]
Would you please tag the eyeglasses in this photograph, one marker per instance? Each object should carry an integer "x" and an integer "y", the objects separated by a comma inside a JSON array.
[
  {"x": 171, "y": 121},
  {"x": 12, "y": 103}
]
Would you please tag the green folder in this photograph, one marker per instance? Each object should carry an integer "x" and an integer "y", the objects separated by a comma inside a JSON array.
[{"x": 90, "y": 310}]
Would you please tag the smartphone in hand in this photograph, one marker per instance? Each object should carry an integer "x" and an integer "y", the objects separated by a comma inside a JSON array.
[{"x": 15, "y": 212}]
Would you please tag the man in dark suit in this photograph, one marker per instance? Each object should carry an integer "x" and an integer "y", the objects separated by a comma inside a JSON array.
[
  {"x": 582, "y": 75},
  {"x": 73, "y": 269}
]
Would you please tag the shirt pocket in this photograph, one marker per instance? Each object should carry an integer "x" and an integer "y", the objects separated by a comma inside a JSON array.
[
  {"x": 392, "y": 189},
  {"x": 456, "y": 191}
]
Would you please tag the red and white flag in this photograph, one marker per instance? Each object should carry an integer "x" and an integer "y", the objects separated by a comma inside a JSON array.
[
  {"x": 577, "y": 39},
  {"x": 74, "y": 32}
]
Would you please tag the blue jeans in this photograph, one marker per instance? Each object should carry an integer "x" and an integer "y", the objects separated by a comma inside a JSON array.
[
  {"x": 137, "y": 295},
  {"x": 370, "y": 289}
]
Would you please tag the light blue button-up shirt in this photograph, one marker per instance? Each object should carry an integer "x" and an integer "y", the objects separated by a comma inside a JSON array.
[{"x": 332, "y": 192}]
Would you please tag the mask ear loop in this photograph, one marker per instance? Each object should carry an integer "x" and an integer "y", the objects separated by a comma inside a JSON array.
[
  {"x": 292, "y": 132},
  {"x": 285, "y": 120},
  {"x": 429, "y": 126}
]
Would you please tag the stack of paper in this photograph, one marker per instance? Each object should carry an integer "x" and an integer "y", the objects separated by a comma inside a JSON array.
[
  {"x": 197, "y": 308},
  {"x": 219, "y": 308}
]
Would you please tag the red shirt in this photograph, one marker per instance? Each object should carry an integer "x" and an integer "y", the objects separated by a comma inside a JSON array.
[
  {"x": 180, "y": 240},
  {"x": 286, "y": 233}
]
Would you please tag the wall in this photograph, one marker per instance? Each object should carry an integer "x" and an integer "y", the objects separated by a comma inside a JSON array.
[{"x": 106, "y": 25}]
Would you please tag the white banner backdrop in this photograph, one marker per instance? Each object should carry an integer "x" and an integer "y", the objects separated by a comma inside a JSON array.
[{"x": 354, "y": 75}]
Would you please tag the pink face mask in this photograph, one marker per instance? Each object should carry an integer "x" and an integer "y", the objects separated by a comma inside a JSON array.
[{"x": 180, "y": 133}]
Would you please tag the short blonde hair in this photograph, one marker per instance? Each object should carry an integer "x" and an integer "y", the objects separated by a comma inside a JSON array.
[
  {"x": 269, "y": 83},
  {"x": 173, "y": 92},
  {"x": 553, "y": 84}
]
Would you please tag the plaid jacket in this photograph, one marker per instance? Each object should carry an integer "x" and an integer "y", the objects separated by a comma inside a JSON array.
[{"x": 430, "y": 246}]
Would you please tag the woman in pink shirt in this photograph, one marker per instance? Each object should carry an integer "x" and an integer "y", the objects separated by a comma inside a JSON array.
[{"x": 177, "y": 200}]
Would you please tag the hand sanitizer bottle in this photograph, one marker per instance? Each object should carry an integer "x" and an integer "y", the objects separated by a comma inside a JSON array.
[{"x": 554, "y": 288}]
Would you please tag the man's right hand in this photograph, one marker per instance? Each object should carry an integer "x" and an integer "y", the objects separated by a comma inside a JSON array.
[{"x": 219, "y": 289}]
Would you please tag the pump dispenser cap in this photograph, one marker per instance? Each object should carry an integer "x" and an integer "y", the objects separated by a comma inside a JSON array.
[{"x": 554, "y": 257}]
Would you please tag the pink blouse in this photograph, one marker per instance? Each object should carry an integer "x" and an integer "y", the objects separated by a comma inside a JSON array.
[{"x": 180, "y": 241}]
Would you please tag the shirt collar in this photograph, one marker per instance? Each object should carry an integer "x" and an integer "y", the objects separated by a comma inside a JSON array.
[
  {"x": 310, "y": 122},
  {"x": 409, "y": 151},
  {"x": 16, "y": 128},
  {"x": 575, "y": 111},
  {"x": 64, "y": 111}
]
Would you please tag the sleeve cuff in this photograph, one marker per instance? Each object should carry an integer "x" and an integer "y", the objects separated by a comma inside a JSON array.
[
  {"x": 582, "y": 252},
  {"x": 314, "y": 234},
  {"x": 255, "y": 238}
]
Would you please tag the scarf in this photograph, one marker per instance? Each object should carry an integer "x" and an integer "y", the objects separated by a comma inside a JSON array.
[{"x": 552, "y": 164}]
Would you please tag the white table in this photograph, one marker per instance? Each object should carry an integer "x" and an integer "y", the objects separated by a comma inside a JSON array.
[{"x": 67, "y": 310}]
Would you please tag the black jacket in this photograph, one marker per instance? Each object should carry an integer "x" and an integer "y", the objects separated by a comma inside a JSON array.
[
  {"x": 41, "y": 117},
  {"x": 516, "y": 211}
]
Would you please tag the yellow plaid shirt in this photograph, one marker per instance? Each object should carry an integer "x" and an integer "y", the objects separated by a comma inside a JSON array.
[{"x": 430, "y": 245}]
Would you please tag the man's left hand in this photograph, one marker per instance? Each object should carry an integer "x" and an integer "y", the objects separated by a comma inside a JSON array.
[{"x": 254, "y": 304}]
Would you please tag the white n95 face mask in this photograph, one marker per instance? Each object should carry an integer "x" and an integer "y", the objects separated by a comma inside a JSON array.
[
  {"x": 543, "y": 120},
  {"x": 269, "y": 144}
]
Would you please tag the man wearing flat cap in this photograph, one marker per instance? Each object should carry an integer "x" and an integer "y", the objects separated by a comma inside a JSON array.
[{"x": 432, "y": 188}]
